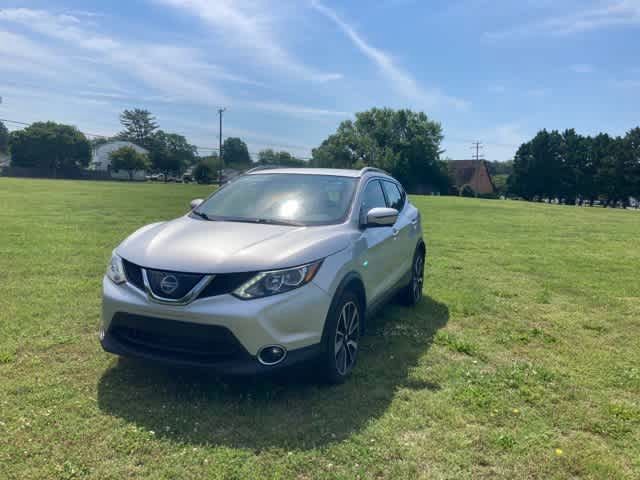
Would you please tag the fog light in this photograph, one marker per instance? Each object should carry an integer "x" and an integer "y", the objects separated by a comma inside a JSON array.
[{"x": 271, "y": 355}]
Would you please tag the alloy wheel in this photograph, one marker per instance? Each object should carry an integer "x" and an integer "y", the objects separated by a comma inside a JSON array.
[
  {"x": 346, "y": 339},
  {"x": 418, "y": 278}
]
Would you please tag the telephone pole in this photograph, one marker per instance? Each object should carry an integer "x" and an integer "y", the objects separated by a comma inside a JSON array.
[
  {"x": 477, "y": 146},
  {"x": 220, "y": 112}
]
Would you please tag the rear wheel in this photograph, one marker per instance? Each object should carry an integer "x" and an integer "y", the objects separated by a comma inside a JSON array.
[
  {"x": 342, "y": 337},
  {"x": 412, "y": 293}
]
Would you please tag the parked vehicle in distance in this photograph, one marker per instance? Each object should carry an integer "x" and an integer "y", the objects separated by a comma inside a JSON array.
[{"x": 275, "y": 268}]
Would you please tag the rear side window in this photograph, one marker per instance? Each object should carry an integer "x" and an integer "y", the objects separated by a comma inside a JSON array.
[
  {"x": 395, "y": 199},
  {"x": 373, "y": 196}
]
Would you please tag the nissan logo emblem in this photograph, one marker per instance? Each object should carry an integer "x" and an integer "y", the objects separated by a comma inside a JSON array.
[{"x": 169, "y": 284}]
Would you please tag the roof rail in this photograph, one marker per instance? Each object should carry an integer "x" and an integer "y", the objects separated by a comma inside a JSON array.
[
  {"x": 373, "y": 169},
  {"x": 262, "y": 167}
]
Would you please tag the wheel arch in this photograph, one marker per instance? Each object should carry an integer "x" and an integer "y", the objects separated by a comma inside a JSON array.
[{"x": 352, "y": 282}]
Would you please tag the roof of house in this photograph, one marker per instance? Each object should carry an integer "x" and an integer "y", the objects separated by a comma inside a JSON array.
[{"x": 462, "y": 171}]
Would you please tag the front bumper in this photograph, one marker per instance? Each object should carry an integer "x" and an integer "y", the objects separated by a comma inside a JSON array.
[{"x": 293, "y": 320}]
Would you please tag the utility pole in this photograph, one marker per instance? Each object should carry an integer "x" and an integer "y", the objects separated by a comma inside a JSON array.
[
  {"x": 220, "y": 112},
  {"x": 477, "y": 146}
]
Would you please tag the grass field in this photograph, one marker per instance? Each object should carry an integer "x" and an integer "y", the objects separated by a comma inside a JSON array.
[{"x": 523, "y": 360}]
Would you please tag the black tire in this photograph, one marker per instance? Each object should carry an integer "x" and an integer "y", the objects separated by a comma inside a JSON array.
[
  {"x": 412, "y": 293},
  {"x": 339, "y": 357}
]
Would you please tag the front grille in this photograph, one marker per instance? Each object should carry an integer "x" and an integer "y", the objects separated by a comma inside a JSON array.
[
  {"x": 172, "y": 285},
  {"x": 175, "y": 339},
  {"x": 221, "y": 284}
]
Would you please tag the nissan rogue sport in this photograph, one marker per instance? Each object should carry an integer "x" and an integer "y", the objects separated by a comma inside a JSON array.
[{"x": 279, "y": 266}]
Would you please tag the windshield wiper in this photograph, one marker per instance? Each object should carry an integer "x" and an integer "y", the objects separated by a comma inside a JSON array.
[
  {"x": 200, "y": 214},
  {"x": 273, "y": 221}
]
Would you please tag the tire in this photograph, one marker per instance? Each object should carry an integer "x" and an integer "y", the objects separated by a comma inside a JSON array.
[
  {"x": 344, "y": 321},
  {"x": 412, "y": 293}
]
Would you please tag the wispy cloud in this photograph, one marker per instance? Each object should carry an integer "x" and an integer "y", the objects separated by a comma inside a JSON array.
[
  {"x": 627, "y": 84},
  {"x": 538, "y": 92},
  {"x": 582, "y": 68},
  {"x": 245, "y": 24},
  {"x": 599, "y": 16},
  {"x": 298, "y": 110},
  {"x": 401, "y": 80}
]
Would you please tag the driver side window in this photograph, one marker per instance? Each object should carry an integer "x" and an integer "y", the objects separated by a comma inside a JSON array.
[{"x": 372, "y": 197}]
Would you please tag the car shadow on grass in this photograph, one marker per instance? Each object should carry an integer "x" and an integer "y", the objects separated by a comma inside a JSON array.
[{"x": 290, "y": 412}]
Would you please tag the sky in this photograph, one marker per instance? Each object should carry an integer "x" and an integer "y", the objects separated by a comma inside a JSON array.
[{"x": 289, "y": 71}]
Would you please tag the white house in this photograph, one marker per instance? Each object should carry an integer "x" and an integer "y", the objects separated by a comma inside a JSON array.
[{"x": 101, "y": 161}]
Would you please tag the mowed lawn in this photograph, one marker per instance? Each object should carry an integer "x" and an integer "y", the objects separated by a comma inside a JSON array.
[{"x": 522, "y": 361}]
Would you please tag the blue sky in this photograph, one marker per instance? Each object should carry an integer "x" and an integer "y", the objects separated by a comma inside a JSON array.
[{"x": 289, "y": 71}]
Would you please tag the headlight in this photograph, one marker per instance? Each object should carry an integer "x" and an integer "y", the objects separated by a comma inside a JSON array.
[
  {"x": 115, "y": 270},
  {"x": 265, "y": 284}
]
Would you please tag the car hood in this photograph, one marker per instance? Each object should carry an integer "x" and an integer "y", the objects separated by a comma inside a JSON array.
[{"x": 192, "y": 245}]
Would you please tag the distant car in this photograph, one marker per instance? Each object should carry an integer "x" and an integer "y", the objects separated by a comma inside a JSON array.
[{"x": 276, "y": 268}]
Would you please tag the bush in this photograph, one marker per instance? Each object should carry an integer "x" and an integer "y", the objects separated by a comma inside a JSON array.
[{"x": 204, "y": 173}]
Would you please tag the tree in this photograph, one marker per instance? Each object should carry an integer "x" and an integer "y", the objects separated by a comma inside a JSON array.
[
  {"x": 170, "y": 152},
  {"x": 284, "y": 159},
  {"x": 206, "y": 170},
  {"x": 128, "y": 159},
  {"x": 4, "y": 139},
  {"x": 236, "y": 154},
  {"x": 49, "y": 145},
  {"x": 139, "y": 127},
  {"x": 403, "y": 142}
]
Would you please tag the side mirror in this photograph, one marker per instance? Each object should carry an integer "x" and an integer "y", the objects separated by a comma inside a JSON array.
[
  {"x": 381, "y": 217},
  {"x": 196, "y": 203}
]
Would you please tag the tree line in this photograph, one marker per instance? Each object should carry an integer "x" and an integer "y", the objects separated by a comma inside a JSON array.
[
  {"x": 407, "y": 144},
  {"x": 575, "y": 167}
]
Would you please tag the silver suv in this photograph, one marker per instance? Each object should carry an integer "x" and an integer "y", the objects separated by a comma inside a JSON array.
[{"x": 278, "y": 267}]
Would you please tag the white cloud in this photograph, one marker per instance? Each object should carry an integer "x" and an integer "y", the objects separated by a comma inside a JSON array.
[
  {"x": 172, "y": 71},
  {"x": 402, "y": 81},
  {"x": 582, "y": 68},
  {"x": 599, "y": 16},
  {"x": 499, "y": 89},
  {"x": 297, "y": 110},
  {"x": 627, "y": 84},
  {"x": 245, "y": 24},
  {"x": 538, "y": 92}
]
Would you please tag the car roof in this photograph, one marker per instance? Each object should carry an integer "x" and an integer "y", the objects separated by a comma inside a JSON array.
[{"x": 335, "y": 172}]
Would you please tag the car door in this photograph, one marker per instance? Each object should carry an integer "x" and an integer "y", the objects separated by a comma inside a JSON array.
[
  {"x": 401, "y": 251},
  {"x": 378, "y": 241}
]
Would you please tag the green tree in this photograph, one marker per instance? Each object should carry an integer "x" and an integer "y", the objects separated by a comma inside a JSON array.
[
  {"x": 403, "y": 142},
  {"x": 139, "y": 127},
  {"x": 236, "y": 154},
  {"x": 207, "y": 169},
  {"x": 4, "y": 138},
  {"x": 631, "y": 148},
  {"x": 49, "y": 145},
  {"x": 170, "y": 153},
  {"x": 282, "y": 158},
  {"x": 128, "y": 159}
]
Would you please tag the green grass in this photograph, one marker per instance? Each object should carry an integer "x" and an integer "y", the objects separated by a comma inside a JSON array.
[{"x": 523, "y": 361}]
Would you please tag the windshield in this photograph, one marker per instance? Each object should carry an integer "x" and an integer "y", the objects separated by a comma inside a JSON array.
[{"x": 295, "y": 199}]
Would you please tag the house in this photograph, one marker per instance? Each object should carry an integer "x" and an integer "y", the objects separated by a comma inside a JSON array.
[
  {"x": 101, "y": 161},
  {"x": 470, "y": 176}
]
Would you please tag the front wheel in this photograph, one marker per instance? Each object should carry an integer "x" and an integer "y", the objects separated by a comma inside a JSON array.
[
  {"x": 342, "y": 338},
  {"x": 412, "y": 293}
]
